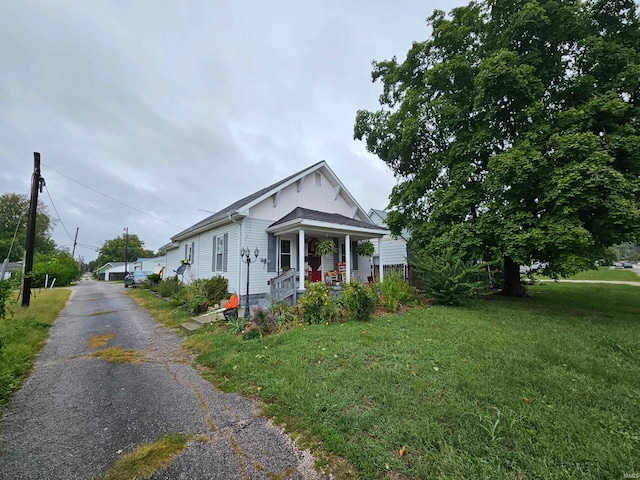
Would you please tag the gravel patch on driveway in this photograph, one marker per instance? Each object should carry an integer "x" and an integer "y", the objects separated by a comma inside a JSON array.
[{"x": 76, "y": 415}]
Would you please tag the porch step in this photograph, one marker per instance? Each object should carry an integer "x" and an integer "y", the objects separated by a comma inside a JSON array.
[
  {"x": 197, "y": 322},
  {"x": 207, "y": 319},
  {"x": 190, "y": 327}
]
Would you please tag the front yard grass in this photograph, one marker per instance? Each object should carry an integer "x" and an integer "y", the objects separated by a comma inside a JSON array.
[
  {"x": 162, "y": 310},
  {"x": 22, "y": 335},
  {"x": 606, "y": 273},
  {"x": 602, "y": 273},
  {"x": 541, "y": 387}
]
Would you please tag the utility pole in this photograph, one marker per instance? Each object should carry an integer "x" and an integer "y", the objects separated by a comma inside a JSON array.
[
  {"x": 37, "y": 182},
  {"x": 75, "y": 242},
  {"x": 126, "y": 249}
]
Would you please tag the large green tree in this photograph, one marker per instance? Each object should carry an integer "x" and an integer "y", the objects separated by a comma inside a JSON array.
[
  {"x": 14, "y": 214},
  {"x": 514, "y": 133},
  {"x": 114, "y": 250}
]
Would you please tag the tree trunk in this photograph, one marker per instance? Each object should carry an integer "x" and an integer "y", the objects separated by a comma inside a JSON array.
[{"x": 511, "y": 286}]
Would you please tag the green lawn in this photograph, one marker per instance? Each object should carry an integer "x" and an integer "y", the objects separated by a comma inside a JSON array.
[
  {"x": 162, "y": 310},
  {"x": 605, "y": 273},
  {"x": 22, "y": 335},
  {"x": 541, "y": 387}
]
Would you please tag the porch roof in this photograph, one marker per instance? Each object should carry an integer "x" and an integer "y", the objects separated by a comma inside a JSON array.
[{"x": 315, "y": 221}]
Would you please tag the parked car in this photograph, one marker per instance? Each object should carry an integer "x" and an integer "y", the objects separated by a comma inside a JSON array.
[
  {"x": 136, "y": 278},
  {"x": 627, "y": 265}
]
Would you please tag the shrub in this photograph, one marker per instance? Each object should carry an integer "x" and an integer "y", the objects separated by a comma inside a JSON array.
[
  {"x": 394, "y": 291},
  {"x": 360, "y": 299},
  {"x": 236, "y": 324},
  {"x": 154, "y": 278},
  {"x": 61, "y": 266},
  {"x": 316, "y": 305},
  {"x": 284, "y": 313},
  {"x": 251, "y": 334},
  {"x": 263, "y": 320},
  {"x": 196, "y": 299},
  {"x": 179, "y": 299},
  {"x": 448, "y": 279},
  {"x": 199, "y": 294},
  {"x": 216, "y": 288},
  {"x": 6, "y": 287},
  {"x": 168, "y": 287}
]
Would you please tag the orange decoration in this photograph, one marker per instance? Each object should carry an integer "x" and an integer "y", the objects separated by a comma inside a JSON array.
[{"x": 233, "y": 302}]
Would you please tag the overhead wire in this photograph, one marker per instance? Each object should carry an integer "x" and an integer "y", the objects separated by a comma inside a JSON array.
[
  {"x": 15, "y": 234},
  {"x": 110, "y": 198},
  {"x": 57, "y": 213}
]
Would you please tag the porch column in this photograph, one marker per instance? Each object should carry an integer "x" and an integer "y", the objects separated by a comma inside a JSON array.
[
  {"x": 381, "y": 270},
  {"x": 347, "y": 254},
  {"x": 301, "y": 258}
]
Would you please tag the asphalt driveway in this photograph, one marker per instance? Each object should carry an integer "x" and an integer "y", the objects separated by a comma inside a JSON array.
[{"x": 77, "y": 415}]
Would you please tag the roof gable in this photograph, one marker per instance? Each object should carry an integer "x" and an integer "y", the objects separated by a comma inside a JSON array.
[{"x": 247, "y": 202}]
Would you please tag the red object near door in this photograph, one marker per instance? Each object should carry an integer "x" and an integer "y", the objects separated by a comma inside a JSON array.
[{"x": 315, "y": 275}]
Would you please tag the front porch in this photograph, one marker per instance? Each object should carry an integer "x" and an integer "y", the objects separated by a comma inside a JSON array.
[{"x": 297, "y": 251}]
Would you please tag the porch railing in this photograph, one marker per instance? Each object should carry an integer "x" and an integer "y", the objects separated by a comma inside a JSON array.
[{"x": 284, "y": 287}]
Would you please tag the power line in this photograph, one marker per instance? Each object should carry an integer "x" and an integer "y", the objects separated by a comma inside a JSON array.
[
  {"x": 56, "y": 210},
  {"x": 110, "y": 198}
]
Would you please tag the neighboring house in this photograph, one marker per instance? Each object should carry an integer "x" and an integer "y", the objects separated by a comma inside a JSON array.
[
  {"x": 155, "y": 265},
  {"x": 281, "y": 221},
  {"x": 101, "y": 271},
  {"x": 112, "y": 271},
  {"x": 9, "y": 268},
  {"x": 394, "y": 250},
  {"x": 172, "y": 261}
]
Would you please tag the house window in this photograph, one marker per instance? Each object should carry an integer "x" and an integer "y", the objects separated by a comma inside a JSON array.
[
  {"x": 354, "y": 255},
  {"x": 285, "y": 254},
  {"x": 188, "y": 252},
  {"x": 318, "y": 179},
  {"x": 219, "y": 253}
]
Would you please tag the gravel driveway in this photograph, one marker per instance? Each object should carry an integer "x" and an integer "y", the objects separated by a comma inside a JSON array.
[{"x": 77, "y": 415}]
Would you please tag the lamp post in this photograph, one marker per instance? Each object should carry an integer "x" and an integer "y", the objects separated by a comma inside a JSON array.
[{"x": 245, "y": 255}]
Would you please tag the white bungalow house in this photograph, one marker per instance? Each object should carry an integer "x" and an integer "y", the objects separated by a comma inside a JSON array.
[
  {"x": 394, "y": 250},
  {"x": 279, "y": 223}
]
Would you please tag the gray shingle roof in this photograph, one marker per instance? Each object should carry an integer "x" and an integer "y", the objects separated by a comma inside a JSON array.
[
  {"x": 243, "y": 201},
  {"x": 306, "y": 214}
]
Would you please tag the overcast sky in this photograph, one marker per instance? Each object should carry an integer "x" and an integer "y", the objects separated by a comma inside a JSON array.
[{"x": 180, "y": 108}]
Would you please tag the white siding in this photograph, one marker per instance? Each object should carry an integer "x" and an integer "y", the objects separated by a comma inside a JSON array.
[
  {"x": 202, "y": 265},
  {"x": 233, "y": 256},
  {"x": 321, "y": 198},
  {"x": 172, "y": 262},
  {"x": 152, "y": 264},
  {"x": 364, "y": 269},
  {"x": 394, "y": 251},
  {"x": 254, "y": 235}
]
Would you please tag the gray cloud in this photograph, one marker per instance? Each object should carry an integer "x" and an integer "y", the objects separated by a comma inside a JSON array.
[{"x": 150, "y": 102}]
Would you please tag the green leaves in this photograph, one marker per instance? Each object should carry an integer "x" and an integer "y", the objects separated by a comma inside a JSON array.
[
  {"x": 515, "y": 128},
  {"x": 448, "y": 279}
]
